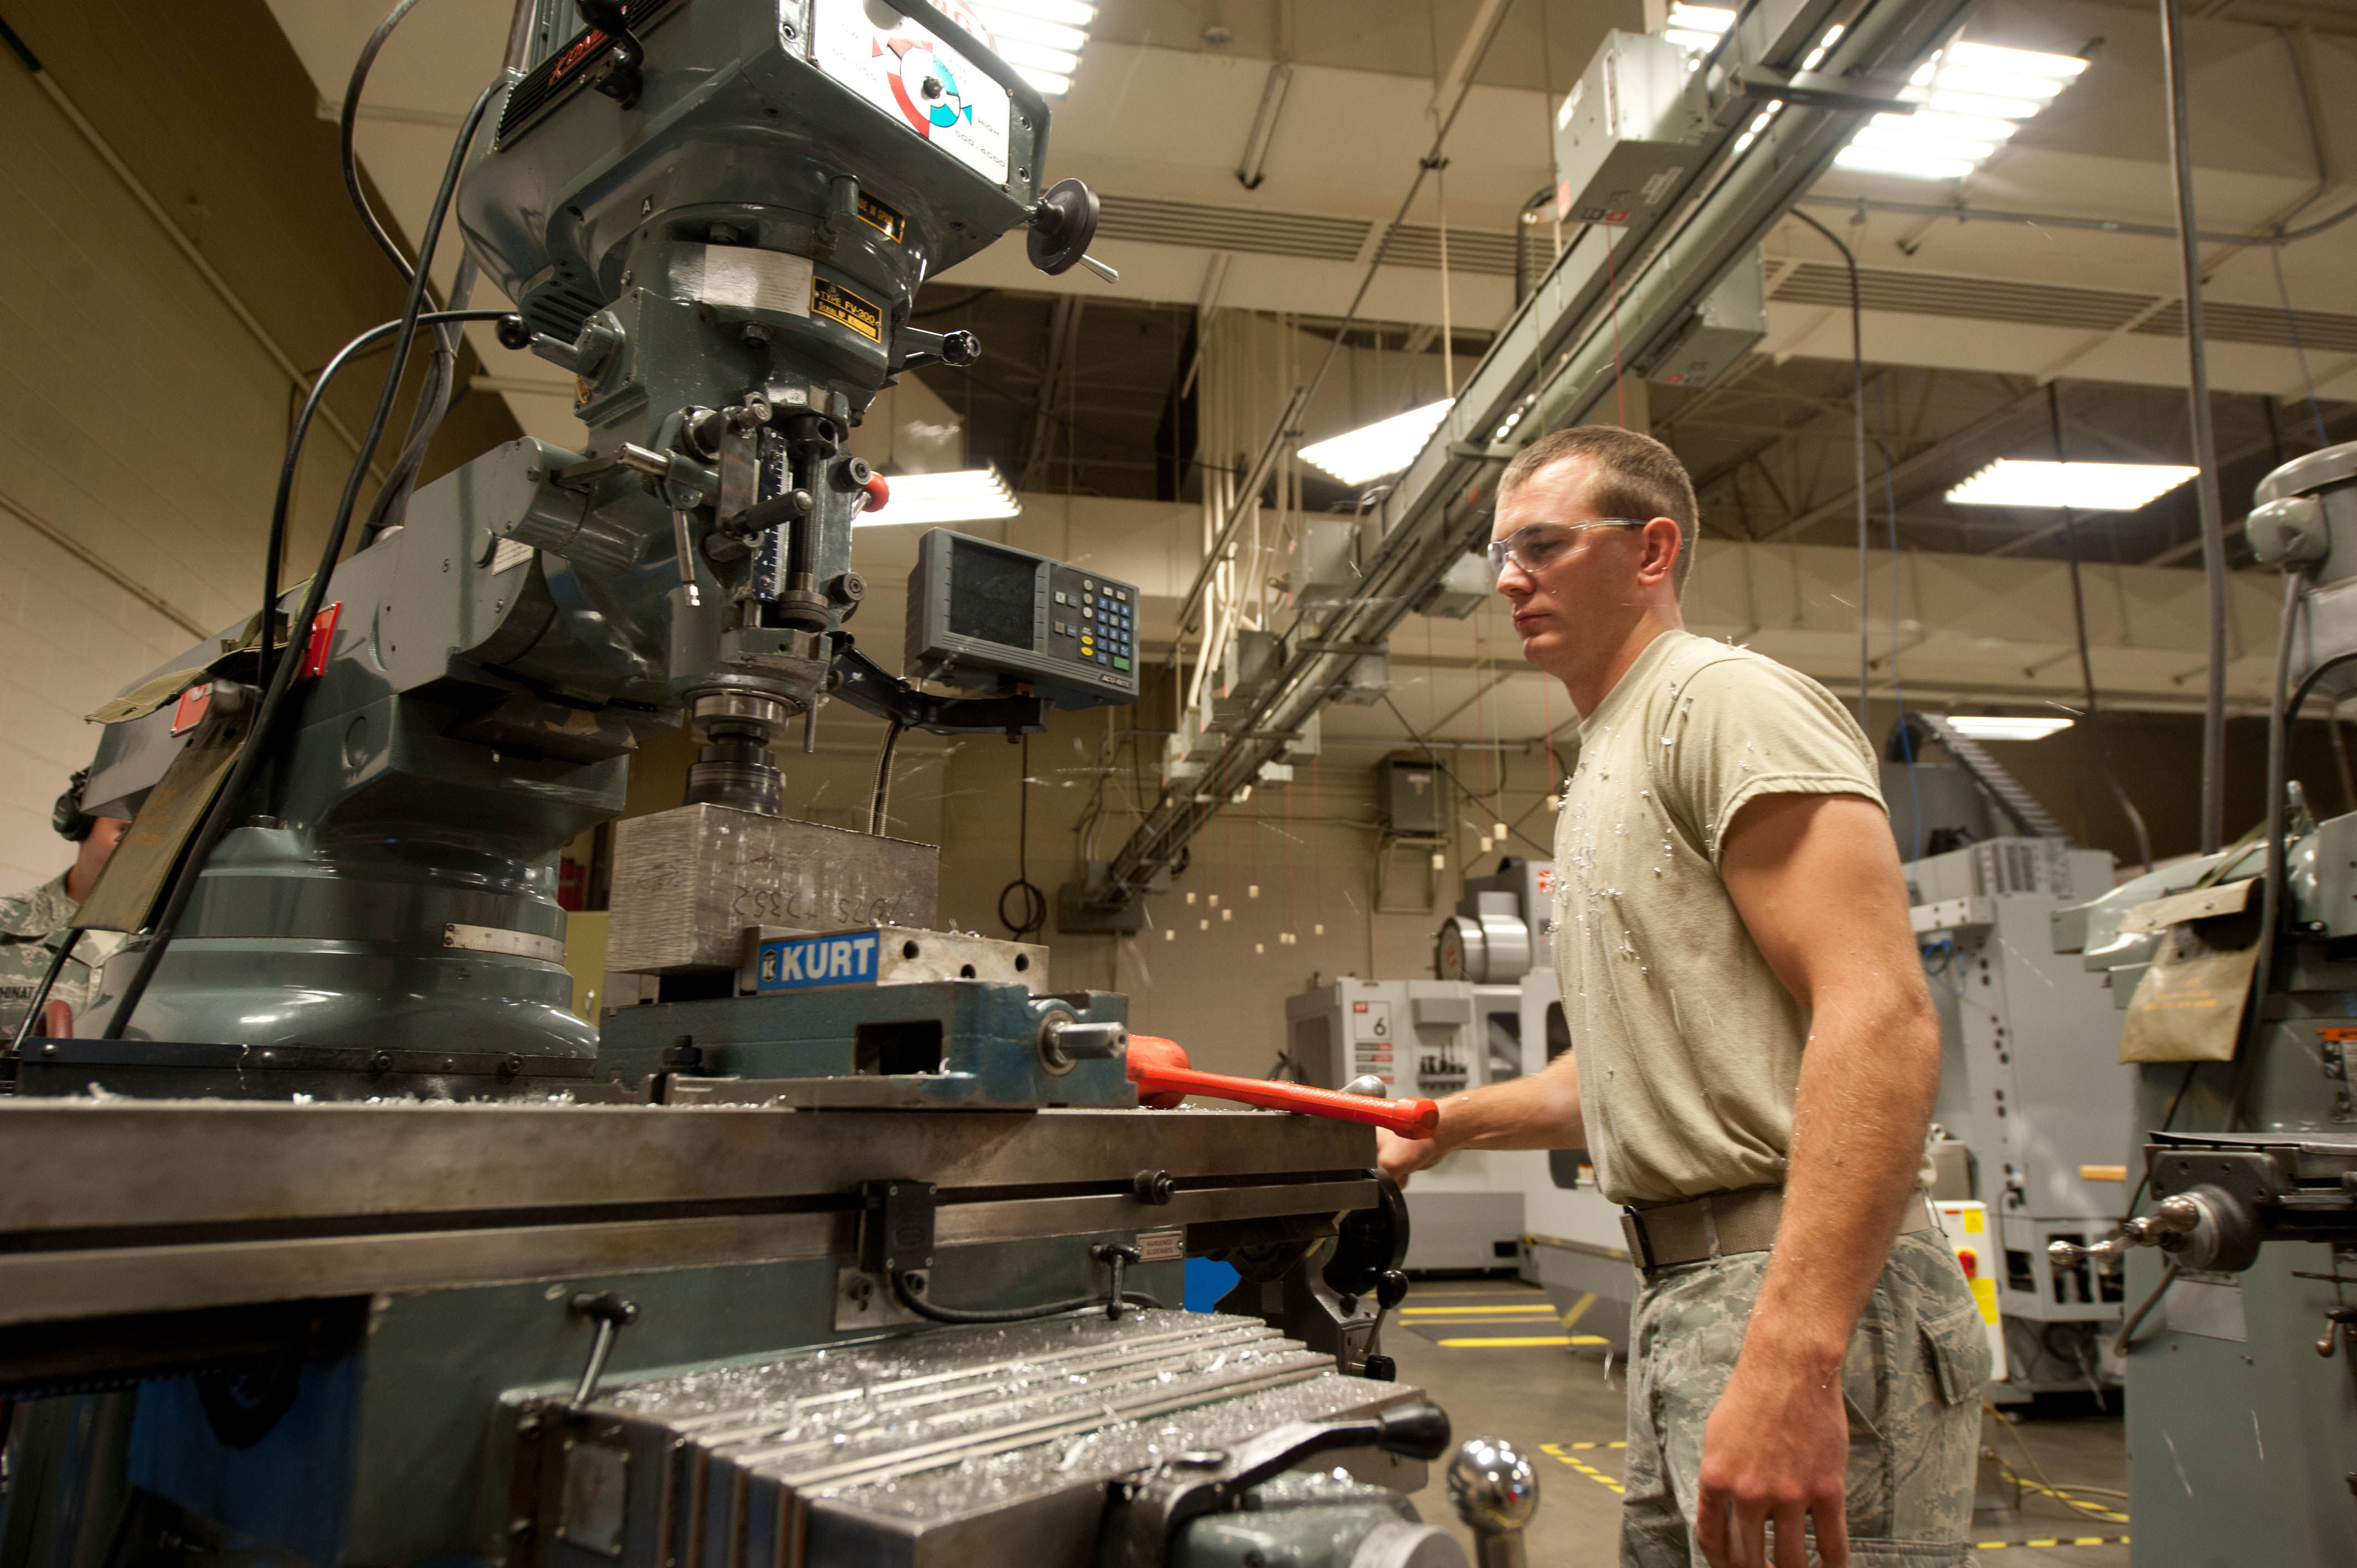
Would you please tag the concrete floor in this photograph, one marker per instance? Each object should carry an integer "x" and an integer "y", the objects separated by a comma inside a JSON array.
[{"x": 1554, "y": 1403}]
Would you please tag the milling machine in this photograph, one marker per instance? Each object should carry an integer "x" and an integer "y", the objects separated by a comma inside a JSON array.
[
  {"x": 2237, "y": 975},
  {"x": 336, "y": 1238}
]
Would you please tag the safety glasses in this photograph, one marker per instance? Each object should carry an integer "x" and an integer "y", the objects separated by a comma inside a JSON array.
[{"x": 1538, "y": 546}]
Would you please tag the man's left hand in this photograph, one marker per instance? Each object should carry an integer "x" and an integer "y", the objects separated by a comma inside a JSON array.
[{"x": 1777, "y": 1447}]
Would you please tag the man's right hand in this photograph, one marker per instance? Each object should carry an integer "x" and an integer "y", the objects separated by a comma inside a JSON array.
[{"x": 1403, "y": 1157}]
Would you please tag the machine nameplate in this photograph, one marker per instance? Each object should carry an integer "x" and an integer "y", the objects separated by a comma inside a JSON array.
[
  {"x": 590, "y": 1512},
  {"x": 892, "y": 955},
  {"x": 1165, "y": 1245},
  {"x": 516, "y": 944},
  {"x": 921, "y": 81},
  {"x": 838, "y": 304}
]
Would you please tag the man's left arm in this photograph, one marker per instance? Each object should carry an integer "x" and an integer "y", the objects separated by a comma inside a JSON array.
[{"x": 1817, "y": 880}]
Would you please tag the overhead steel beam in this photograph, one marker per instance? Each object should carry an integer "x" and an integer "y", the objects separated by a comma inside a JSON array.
[{"x": 1609, "y": 299}]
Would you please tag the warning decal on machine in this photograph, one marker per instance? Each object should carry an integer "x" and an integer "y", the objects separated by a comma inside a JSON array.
[
  {"x": 837, "y": 302},
  {"x": 927, "y": 83},
  {"x": 885, "y": 221}
]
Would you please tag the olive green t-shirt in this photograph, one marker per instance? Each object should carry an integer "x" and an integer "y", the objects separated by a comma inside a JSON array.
[{"x": 1688, "y": 1046}]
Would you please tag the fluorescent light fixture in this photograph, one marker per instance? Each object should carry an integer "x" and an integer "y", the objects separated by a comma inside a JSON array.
[
  {"x": 1973, "y": 98},
  {"x": 1383, "y": 447},
  {"x": 1997, "y": 727},
  {"x": 970, "y": 495},
  {"x": 1040, "y": 39},
  {"x": 1697, "y": 27},
  {"x": 2083, "y": 486}
]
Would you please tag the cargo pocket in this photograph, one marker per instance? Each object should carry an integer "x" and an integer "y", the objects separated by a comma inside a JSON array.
[{"x": 1957, "y": 1344}]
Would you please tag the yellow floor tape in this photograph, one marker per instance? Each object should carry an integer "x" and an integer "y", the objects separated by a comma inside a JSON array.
[
  {"x": 1518, "y": 1341},
  {"x": 1565, "y": 1451}
]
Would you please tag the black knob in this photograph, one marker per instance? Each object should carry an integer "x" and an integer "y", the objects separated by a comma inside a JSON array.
[
  {"x": 847, "y": 588},
  {"x": 852, "y": 473},
  {"x": 1156, "y": 1187},
  {"x": 1391, "y": 1289},
  {"x": 1418, "y": 1430},
  {"x": 1063, "y": 224},
  {"x": 959, "y": 347},
  {"x": 512, "y": 333},
  {"x": 1380, "y": 1369}
]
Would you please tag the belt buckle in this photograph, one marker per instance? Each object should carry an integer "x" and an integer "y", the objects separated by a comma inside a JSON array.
[{"x": 1633, "y": 1231}]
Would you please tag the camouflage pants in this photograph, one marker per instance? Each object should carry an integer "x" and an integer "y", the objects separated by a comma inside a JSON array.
[{"x": 1911, "y": 1381}]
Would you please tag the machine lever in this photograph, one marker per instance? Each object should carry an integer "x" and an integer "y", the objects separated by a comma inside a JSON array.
[
  {"x": 1159, "y": 1069},
  {"x": 1495, "y": 1492},
  {"x": 613, "y": 1312},
  {"x": 684, "y": 542}
]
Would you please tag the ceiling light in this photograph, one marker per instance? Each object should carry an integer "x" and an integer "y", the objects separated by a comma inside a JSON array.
[
  {"x": 1383, "y": 447},
  {"x": 1974, "y": 96},
  {"x": 1040, "y": 39},
  {"x": 1997, "y": 727},
  {"x": 1711, "y": 19},
  {"x": 971, "y": 495},
  {"x": 2083, "y": 486}
]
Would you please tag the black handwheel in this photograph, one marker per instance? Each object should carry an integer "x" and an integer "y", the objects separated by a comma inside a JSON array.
[{"x": 1062, "y": 226}]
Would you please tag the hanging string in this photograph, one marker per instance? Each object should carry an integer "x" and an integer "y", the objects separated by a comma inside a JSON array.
[{"x": 1612, "y": 288}]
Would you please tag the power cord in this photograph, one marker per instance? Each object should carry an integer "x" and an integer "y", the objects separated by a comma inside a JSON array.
[
  {"x": 1031, "y": 917},
  {"x": 256, "y": 745}
]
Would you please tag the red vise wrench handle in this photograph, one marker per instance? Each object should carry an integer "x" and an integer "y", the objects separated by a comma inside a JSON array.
[{"x": 1159, "y": 1068}]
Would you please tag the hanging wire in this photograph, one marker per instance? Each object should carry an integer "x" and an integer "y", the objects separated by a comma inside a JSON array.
[
  {"x": 1031, "y": 915},
  {"x": 2086, "y": 660},
  {"x": 1857, "y": 395}
]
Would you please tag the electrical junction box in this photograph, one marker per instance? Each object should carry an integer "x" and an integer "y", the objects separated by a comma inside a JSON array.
[
  {"x": 1412, "y": 796},
  {"x": 987, "y": 616},
  {"x": 1462, "y": 589},
  {"x": 1628, "y": 130},
  {"x": 1324, "y": 564},
  {"x": 1368, "y": 683},
  {"x": 1728, "y": 324}
]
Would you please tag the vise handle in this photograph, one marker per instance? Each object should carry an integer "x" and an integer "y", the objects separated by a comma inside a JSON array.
[{"x": 1159, "y": 1068}]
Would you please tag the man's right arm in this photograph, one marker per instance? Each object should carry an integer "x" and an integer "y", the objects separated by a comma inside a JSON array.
[{"x": 1540, "y": 1111}]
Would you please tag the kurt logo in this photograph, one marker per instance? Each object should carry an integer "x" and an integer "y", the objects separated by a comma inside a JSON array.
[{"x": 817, "y": 961}]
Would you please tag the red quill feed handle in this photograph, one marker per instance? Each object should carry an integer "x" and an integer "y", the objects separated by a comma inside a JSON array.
[{"x": 1159, "y": 1068}]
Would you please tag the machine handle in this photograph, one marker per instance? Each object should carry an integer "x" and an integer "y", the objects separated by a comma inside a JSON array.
[{"x": 1159, "y": 1068}]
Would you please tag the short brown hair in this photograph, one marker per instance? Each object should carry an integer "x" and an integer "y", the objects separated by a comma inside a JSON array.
[{"x": 1635, "y": 477}]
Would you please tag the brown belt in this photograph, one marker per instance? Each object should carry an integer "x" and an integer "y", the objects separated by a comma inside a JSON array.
[{"x": 1722, "y": 1224}]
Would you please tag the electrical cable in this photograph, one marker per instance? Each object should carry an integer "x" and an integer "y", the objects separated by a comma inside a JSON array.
[
  {"x": 1857, "y": 394},
  {"x": 435, "y": 394},
  {"x": 882, "y": 801},
  {"x": 2125, "y": 1340},
  {"x": 348, "y": 121},
  {"x": 1033, "y": 903},
  {"x": 257, "y": 742},
  {"x": 2086, "y": 660},
  {"x": 939, "y": 1314},
  {"x": 2279, "y": 717},
  {"x": 293, "y": 460}
]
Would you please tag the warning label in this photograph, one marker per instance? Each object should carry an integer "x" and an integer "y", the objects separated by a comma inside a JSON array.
[
  {"x": 837, "y": 303},
  {"x": 885, "y": 221}
]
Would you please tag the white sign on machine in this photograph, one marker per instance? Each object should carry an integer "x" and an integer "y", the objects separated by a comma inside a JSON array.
[
  {"x": 1370, "y": 1041},
  {"x": 929, "y": 84}
]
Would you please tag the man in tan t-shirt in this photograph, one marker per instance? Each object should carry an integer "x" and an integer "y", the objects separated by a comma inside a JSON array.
[{"x": 1755, "y": 1056}]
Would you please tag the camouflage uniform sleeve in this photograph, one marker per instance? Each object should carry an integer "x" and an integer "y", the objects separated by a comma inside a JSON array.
[{"x": 32, "y": 923}]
